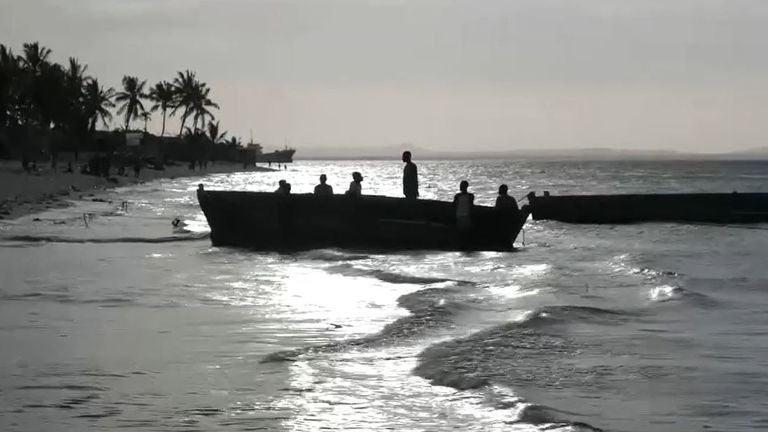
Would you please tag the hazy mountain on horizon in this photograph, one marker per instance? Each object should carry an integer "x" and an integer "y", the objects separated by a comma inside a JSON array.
[{"x": 588, "y": 153}]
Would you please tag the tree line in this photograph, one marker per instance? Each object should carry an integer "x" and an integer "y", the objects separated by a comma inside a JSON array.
[{"x": 38, "y": 93}]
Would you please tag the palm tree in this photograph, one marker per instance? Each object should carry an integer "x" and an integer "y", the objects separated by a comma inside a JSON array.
[
  {"x": 35, "y": 56},
  {"x": 200, "y": 104},
  {"x": 192, "y": 98},
  {"x": 34, "y": 102},
  {"x": 146, "y": 116},
  {"x": 213, "y": 133},
  {"x": 162, "y": 95},
  {"x": 183, "y": 87},
  {"x": 9, "y": 81},
  {"x": 76, "y": 73},
  {"x": 96, "y": 102},
  {"x": 75, "y": 80},
  {"x": 130, "y": 98},
  {"x": 49, "y": 96}
]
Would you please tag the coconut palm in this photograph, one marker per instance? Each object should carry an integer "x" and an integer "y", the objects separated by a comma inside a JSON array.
[
  {"x": 200, "y": 104},
  {"x": 130, "y": 98},
  {"x": 193, "y": 100},
  {"x": 162, "y": 95},
  {"x": 213, "y": 133},
  {"x": 184, "y": 88},
  {"x": 9, "y": 82},
  {"x": 35, "y": 56},
  {"x": 35, "y": 103},
  {"x": 145, "y": 116},
  {"x": 49, "y": 96},
  {"x": 75, "y": 81},
  {"x": 96, "y": 103},
  {"x": 76, "y": 73}
]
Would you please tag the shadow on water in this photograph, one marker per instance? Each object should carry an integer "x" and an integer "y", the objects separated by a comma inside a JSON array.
[{"x": 61, "y": 239}]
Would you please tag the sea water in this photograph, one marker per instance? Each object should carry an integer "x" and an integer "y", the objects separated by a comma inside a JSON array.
[{"x": 111, "y": 318}]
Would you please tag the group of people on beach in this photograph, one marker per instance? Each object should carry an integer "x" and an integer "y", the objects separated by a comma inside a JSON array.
[{"x": 464, "y": 201}]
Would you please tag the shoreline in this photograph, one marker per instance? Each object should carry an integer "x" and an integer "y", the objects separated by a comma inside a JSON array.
[{"x": 24, "y": 193}]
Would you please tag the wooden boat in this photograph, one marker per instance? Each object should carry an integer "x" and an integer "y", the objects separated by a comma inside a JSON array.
[
  {"x": 720, "y": 208},
  {"x": 269, "y": 221}
]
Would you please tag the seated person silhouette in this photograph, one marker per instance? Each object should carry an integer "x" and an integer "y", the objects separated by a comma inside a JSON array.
[
  {"x": 323, "y": 189},
  {"x": 506, "y": 202},
  {"x": 284, "y": 188},
  {"x": 355, "y": 187}
]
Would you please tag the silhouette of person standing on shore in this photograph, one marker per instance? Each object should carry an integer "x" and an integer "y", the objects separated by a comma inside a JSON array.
[
  {"x": 355, "y": 187},
  {"x": 410, "y": 177},
  {"x": 323, "y": 189}
]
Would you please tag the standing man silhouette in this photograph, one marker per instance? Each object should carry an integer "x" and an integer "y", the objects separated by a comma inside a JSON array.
[{"x": 410, "y": 177}]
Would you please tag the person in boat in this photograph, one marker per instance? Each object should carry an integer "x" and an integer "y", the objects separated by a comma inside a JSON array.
[
  {"x": 283, "y": 188},
  {"x": 506, "y": 211},
  {"x": 464, "y": 203},
  {"x": 410, "y": 177},
  {"x": 355, "y": 187},
  {"x": 505, "y": 202},
  {"x": 323, "y": 189}
]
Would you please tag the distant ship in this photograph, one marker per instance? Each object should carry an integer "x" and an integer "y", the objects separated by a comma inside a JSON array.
[{"x": 277, "y": 156}]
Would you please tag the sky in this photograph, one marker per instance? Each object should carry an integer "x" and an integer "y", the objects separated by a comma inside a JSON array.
[{"x": 458, "y": 75}]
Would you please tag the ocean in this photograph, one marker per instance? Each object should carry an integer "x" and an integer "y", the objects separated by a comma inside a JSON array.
[{"x": 111, "y": 318}]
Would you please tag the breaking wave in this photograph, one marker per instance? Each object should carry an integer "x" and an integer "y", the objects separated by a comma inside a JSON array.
[
  {"x": 528, "y": 353},
  {"x": 390, "y": 277},
  {"x": 331, "y": 256},
  {"x": 430, "y": 309},
  {"x": 671, "y": 293}
]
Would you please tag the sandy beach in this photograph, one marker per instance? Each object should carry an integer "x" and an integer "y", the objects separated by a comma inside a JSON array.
[{"x": 23, "y": 193}]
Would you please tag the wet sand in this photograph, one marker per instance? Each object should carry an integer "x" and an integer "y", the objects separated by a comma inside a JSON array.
[{"x": 23, "y": 193}]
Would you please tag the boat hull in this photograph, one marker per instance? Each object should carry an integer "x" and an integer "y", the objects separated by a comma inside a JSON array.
[
  {"x": 268, "y": 221},
  {"x": 717, "y": 208},
  {"x": 279, "y": 156}
]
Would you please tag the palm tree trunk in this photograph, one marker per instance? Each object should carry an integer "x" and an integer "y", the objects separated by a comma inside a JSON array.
[
  {"x": 163, "y": 132},
  {"x": 183, "y": 120},
  {"x": 128, "y": 116}
]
